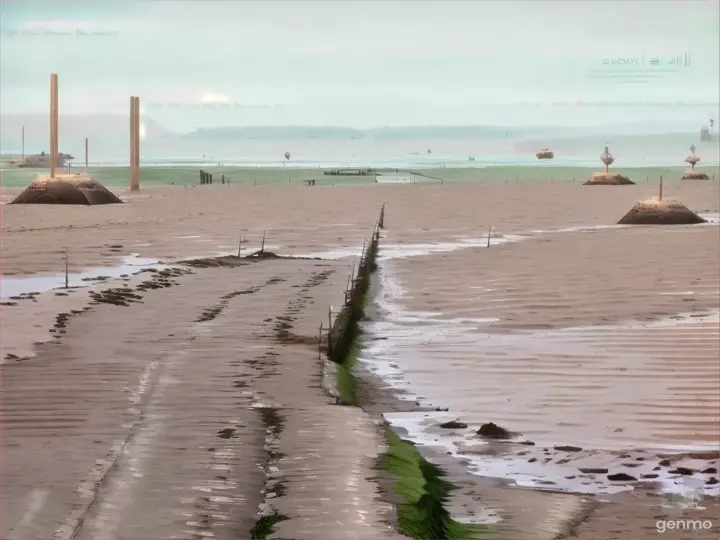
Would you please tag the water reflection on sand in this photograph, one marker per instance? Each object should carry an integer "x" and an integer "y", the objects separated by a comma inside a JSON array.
[{"x": 619, "y": 391}]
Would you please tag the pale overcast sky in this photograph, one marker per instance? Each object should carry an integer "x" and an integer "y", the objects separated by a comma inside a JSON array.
[{"x": 361, "y": 63}]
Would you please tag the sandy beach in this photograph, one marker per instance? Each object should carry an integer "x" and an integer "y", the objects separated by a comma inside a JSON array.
[{"x": 596, "y": 343}]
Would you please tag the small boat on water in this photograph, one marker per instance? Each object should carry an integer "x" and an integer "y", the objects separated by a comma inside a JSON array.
[
  {"x": 545, "y": 154},
  {"x": 35, "y": 161}
]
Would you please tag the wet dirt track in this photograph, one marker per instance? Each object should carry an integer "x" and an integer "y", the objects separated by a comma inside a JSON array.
[{"x": 147, "y": 420}]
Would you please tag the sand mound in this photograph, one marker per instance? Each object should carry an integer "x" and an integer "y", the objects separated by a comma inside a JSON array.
[
  {"x": 695, "y": 175},
  {"x": 77, "y": 188},
  {"x": 655, "y": 212},
  {"x": 608, "y": 179}
]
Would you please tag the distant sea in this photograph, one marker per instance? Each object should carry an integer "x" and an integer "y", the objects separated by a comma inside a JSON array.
[{"x": 629, "y": 150}]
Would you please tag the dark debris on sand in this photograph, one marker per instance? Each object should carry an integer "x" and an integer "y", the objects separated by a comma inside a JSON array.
[{"x": 233, "y": 261}]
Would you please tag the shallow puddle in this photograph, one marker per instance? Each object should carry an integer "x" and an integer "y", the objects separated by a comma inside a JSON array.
[{"x": 11, "y": 286}]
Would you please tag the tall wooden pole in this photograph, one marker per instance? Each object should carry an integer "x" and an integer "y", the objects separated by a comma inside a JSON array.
[
  {"x": 132, "y": 141},
  {"x": 53, "y": 122},
  {"x": 137, "y": 142},
  {"x": 56, "y": 150},
  {"x": 86, "y": 155}
]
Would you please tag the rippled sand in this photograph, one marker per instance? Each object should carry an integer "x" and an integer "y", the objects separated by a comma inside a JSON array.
[{"x": 578, "y": 345}]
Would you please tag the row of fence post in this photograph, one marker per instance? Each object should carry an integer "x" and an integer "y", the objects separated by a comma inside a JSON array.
[{"x": 342, "y": 330}]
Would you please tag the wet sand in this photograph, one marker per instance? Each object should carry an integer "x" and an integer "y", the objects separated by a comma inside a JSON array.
[
  {"x": 600, "y": 353},
  {"x": 146, "y": 420},
  {"x": 554, "y": 391}
]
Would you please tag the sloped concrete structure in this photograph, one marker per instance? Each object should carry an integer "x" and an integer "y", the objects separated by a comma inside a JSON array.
[
  {"x": 608, "y": 179},
  {"x": 692, "y": 174},
  {"x": 80, "y": 188},
  {"x": 660, "y": 212},
  {"x": 695, "y": 175}
]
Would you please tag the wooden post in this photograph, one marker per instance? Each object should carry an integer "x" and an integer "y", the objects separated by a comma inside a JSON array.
[
  {"x": 660, "y": 194},
  {"x": 56, "y": 120},
  {"x": 240, "y": 244},
  {"x": 132, "y": 142},
  {"x": 489, "y": 232},
  {"x": 262, "y": 246},
  {"x": 329, "y": 340},
  {"x": 86, "y": 155},
  {"x": 137, "y": 142},
  {"x": 67, "y": 277},
  {"x": 320, "y": 342},
  {"x": 53, "y": 122}
]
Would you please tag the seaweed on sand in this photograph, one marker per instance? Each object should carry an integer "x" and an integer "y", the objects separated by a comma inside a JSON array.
[{"x": 424, "y": 493}]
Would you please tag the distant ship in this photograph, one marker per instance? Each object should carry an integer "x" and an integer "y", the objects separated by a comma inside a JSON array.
[
  {"x": 35, "y": 161},
  {"x": 545, "y": 154}
]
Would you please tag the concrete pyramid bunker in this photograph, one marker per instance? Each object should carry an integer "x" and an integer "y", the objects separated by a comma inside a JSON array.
[
  {"x": 608, "y": 179},
  {"x": 78, "y": 188},
  {"x": 692, "y": 174},
  {"x": 660, "y": 212},
  {"x": 695, "y": 175}
]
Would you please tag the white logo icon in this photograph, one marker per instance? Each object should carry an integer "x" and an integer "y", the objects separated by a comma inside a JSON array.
[{"x": 687, "y": 498}]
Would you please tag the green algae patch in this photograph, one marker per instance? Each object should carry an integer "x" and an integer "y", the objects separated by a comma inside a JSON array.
[
  {"x": 344, "y": 338},
  {"x": 345, "y": 378},
  {"x": 421, "y": 514},
  {"x": 266, "y": 525}
]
